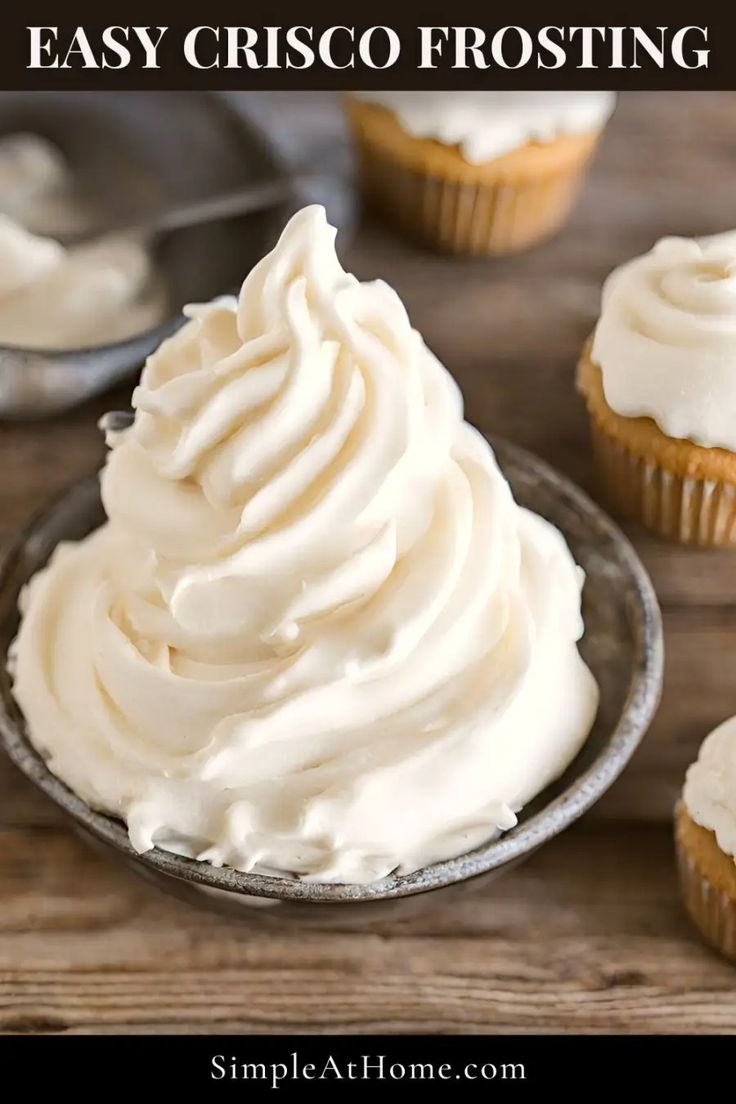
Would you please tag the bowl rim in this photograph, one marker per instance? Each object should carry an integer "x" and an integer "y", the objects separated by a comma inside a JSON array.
[{"x": 553, "y": 817}]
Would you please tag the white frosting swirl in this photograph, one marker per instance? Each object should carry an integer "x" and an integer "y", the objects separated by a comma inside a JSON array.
[
  {"x": 316, "y": 635},
  {"x": 710, "y": 786},
  {"x": 94, "y": 294},
  {"x": 485, "y": 125},
  {"x": 36, "y": 185},
  {"x": 666, "y": 339}
]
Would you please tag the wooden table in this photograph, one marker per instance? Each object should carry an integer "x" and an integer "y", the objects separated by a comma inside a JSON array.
[{"x": 589, "y": 934}]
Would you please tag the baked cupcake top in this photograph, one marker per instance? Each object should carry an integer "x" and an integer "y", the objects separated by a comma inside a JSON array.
[
  {"x": 710, "y": 786},
  {"x": 317, "y": 635},
  {"x": 485, "y": 125},
  {"x": 666, "y": 339}
]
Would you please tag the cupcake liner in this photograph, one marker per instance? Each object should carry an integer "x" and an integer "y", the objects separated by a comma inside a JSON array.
[
  {"x": 685, "y": 508},
  {"x": 711, "y": 910},
  {"x": 483, "y": 217}
]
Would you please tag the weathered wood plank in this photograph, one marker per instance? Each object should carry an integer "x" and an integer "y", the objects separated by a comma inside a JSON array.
[{"x": 589, "y": 935}]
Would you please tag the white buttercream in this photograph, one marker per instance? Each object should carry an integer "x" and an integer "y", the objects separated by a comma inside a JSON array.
[
  {"x": 54, "y": 298},
  {"x": 35, "y": 183},
  {"x": 666, "y": 339},
  {"x": 316, "y": 636},
  {"x": 51, "y": 297},
  {"x": 485, "y": 125},
  {"x": 710, "y": 786}
]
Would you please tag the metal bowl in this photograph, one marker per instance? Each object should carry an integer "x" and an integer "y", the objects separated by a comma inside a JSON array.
[
  {"x": 622, "y": 645},
  {"x": 136, "y": 152}
]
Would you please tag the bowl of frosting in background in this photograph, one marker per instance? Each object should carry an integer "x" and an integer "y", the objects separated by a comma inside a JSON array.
[
  {"x": 327, "y": 649},
  {"x": 74, "y": 320}
]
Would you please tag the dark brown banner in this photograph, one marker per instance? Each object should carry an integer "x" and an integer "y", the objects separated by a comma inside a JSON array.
[{"x": 224, "y": 44}]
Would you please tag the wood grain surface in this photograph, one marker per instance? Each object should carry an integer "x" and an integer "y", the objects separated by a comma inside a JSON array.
[
  {"x": 588, "y": 935},
  {"x": 543, "y": 949}
]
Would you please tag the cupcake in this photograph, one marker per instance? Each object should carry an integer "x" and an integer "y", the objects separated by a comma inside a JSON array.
[
  {"x": 317, "y": 636},
  {"x": 658, "y": 381},
  {"x": 476, "y": 172},
  {"x": 705, "y": 833}
]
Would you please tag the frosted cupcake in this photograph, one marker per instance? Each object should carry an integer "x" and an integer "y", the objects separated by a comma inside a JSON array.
[
  {"x": 476, "y": 172},
  {"x": 706, "y": 839},
  {"x": 659, "y": 380},
  {"x": 316, "y": 636}
]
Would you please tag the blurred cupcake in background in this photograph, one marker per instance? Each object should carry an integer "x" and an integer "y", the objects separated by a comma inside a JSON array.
[
  {"x": 705, "y": 833},
  {"x": 476, "y": 172},
  {"x": 659, "y": 381}
]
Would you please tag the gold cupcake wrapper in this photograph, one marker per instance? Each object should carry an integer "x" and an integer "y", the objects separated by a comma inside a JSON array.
[
  {"x": 687, "y": 509},
  {"x": 461, "y": 217},
  {"x": 711, "y": 910}
]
